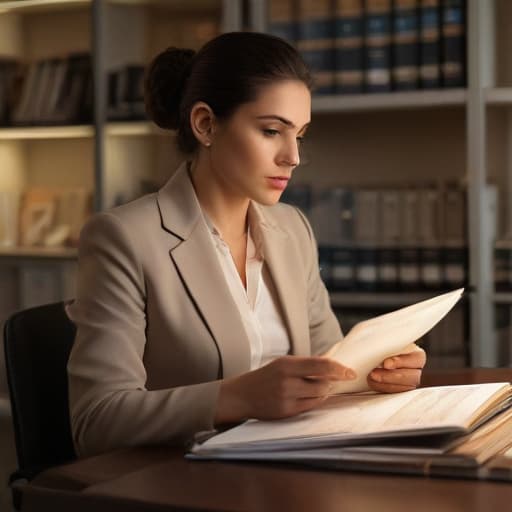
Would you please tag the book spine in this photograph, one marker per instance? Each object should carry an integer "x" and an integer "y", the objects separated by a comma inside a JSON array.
[
  {"x": 455, "y": 256},
  {"x": 349, "y": 56},
  {"x": 431, "y": 266},
  {"x": 453, "y": 31},
  {"x": 326, "y": 266},
  {"x": 366, "y": 230},
  {"x": 377, "y": 35},
  {"x": 430, "y": 44},
  {"x": 343, "y": 269},
  {"x": 388, "y": 251},
  {"x": 316, "y": 42},
  {"x": 282, "y": 19},
  {"x": 409, "y": 265},
  {"x": 405, "y": 49},
  {"x": 323, "y": 207},
  {"x": 455, "y": 260},
  {"x": 342, "y": 251}
]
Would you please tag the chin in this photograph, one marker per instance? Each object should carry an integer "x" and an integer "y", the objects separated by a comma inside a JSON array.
[{"x": 269, "y": 199}]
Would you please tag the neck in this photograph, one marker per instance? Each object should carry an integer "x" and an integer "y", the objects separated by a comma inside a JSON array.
[{"x": 227, "y": 210}]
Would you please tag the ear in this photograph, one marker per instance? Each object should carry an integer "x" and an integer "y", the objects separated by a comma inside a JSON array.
[{"x": 202, "y": 121}]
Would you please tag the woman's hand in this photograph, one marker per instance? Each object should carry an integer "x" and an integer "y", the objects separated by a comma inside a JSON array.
[
  {"x": 284, "y": 387},
  {"x": 398, "y": 373}
]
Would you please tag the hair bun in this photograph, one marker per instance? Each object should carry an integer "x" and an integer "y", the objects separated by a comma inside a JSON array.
[{"x": 164, "y": 83}]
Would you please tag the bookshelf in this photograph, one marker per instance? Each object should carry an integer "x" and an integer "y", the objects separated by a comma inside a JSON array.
[
  {"x": 459, "y": 134},
  {"x": 498, "y": 96},
  {"x": 389, "y": 101},
  {"x": 112, "y": 159}
]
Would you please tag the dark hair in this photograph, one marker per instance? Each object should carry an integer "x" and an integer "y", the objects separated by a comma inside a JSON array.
[{"x": 226, "y": 72}]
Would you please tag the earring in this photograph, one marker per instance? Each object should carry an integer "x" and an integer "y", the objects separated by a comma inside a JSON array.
[{"x": 207, "y": 143}]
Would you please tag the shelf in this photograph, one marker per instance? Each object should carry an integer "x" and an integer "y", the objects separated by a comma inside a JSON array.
[
  {"x": 498, "y": 96},
  {"x": 389, "y": 101},
  {"x": 174, "y": 5},
  {"x": 133, "y": 128},
  {"x": 39, "y": 252},
  {"x": 378, "y": 299},
  {"x": 502, "y": 298},
  {"x": 47, "y": 132},
  {"x": 41, "y": 5}
]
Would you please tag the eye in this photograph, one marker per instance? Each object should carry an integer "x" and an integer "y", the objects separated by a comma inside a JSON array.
[
  {"x": 300, "y": 140},
  {"x": 269, "y": 132}
]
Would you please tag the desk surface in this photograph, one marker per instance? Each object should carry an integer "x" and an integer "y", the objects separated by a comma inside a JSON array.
[{"x": 161, "y": 479}]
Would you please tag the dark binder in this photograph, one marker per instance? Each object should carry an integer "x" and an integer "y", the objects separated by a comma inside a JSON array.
[
  {"x": 405, "y": 50},
  {"x": 453, "y": 64},
  {"x": 430, "y": 44},
  {"x": 349, "y": 51},
  {"x": 315, "y": 41},
  {"x": 377, "y": 33}
]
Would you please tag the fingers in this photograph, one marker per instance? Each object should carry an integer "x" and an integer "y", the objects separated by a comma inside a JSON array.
[
  {"x": 415, "y": 359},
  {"x": 317, "y": 367},
  {"x": 388, "y": 388},
  {"x": 312, "y": 388},
  {"x": 402, "y": 379}
]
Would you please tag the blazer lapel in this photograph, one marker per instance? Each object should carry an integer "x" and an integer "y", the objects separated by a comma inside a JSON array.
[
  {"x": 285, "y": 268},
  {"x": 197, "y": 263}
]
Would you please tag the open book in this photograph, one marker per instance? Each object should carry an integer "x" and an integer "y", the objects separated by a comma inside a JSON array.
[
  {"x": 437, "y": 430},
  {"x": 433, "y": 430},
  {"x": 371, "y": 341}
]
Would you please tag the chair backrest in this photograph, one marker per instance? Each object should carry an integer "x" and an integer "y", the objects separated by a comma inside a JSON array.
[{"x": 37, "y": 345}]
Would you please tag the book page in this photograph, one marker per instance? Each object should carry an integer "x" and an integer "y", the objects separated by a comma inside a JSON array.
[
  {"x": 488, "y": 440},
  {"x": 370, "y": 342},
  {"x": 359, "y": 416}
]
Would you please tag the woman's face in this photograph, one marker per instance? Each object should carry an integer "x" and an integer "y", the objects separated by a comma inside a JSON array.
[{"x": 254, "y": 152}]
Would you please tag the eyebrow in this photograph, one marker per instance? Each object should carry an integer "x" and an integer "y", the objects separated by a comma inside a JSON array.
[{"x": 287, "y": 122}]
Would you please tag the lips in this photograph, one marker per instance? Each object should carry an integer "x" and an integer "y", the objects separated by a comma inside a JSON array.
[{"x": 278, "y": 182}]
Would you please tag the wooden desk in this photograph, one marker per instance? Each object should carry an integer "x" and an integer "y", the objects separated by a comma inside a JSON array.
[{"x": 161, "y": 479}]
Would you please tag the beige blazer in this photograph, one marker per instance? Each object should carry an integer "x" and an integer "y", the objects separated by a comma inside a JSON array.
[{"x": 157, "y": 327}]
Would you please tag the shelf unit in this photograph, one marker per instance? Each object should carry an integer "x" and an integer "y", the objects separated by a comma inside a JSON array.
[
  {"x": 389, "y": 101},
  {"x": 376, "y": 299},
  {"x": 110, "y": 159},
  {"x": 119, "y": 156},
  {"x": 465, "y": 157}
]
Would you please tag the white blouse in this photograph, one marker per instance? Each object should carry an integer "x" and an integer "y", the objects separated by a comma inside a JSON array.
[{"x": 258, "y": 304}]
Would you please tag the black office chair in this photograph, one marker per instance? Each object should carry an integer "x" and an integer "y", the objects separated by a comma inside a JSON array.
[{"x": 37, "y": 344}]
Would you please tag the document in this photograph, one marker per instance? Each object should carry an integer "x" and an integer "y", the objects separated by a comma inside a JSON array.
[{"x": 369, "y": 342}]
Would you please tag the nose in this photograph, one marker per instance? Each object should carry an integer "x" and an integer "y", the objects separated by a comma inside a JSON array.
[{"x": 290, "y": 154}]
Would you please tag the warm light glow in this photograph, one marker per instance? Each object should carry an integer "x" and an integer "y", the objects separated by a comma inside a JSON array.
[
  {"x": 47, "y": 132},
  {"x": 28, "y": 5}
]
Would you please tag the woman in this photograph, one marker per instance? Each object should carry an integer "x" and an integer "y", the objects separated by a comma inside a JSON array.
[{"x": 201, "y": 305}]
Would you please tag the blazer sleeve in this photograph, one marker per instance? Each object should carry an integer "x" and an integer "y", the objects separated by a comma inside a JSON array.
[
  {"x": 110, "y": 406},
  {"x": 324, "y": 328}
]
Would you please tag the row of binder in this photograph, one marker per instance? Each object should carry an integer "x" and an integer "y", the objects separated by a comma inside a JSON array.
[
  {"x": 356, "y": 46},
  {"x": 51, "y": 91},
  {"x": 387, "y": 238},
  {"x": 59, "y": 91}
]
